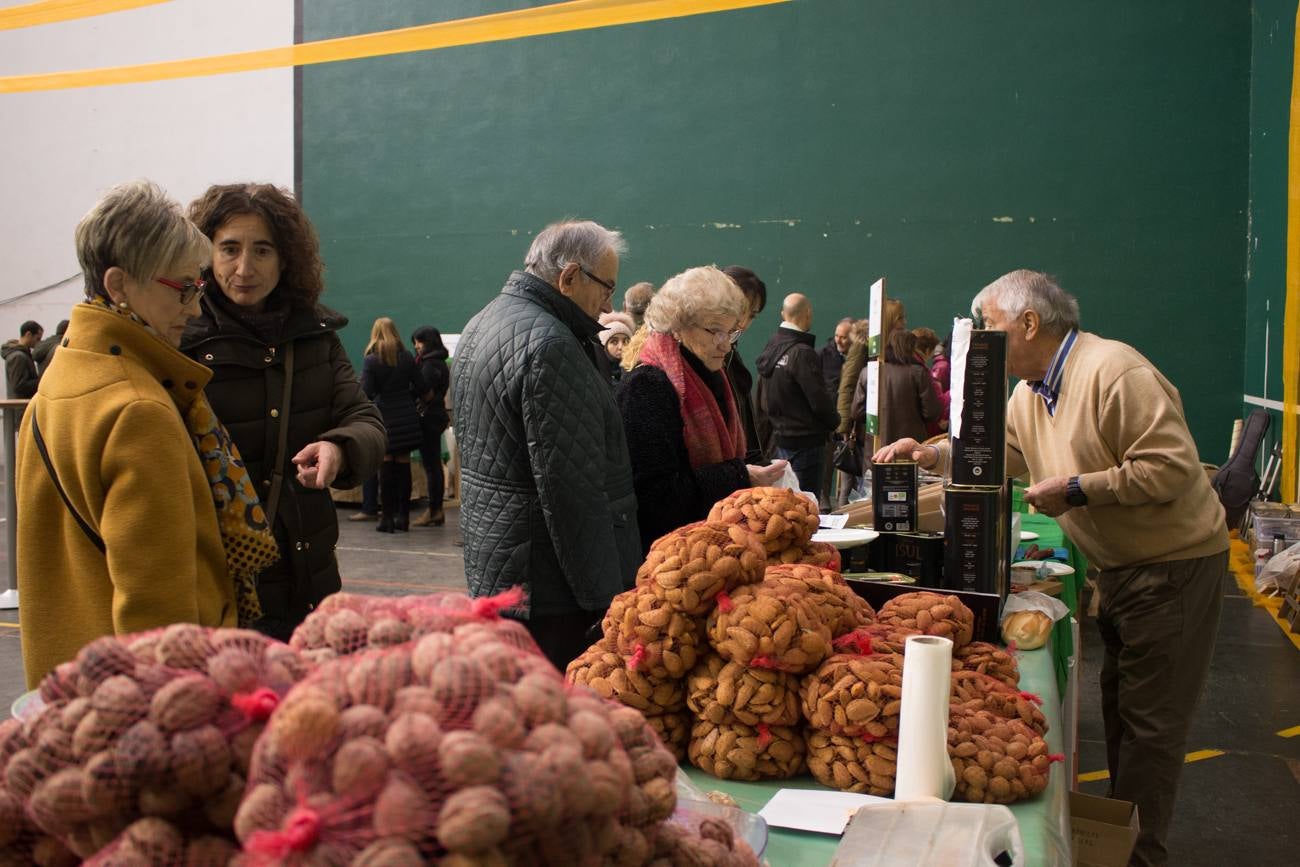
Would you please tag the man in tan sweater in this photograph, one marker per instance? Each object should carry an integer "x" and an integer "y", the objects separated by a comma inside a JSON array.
[{"x": 1101, "y": 434}]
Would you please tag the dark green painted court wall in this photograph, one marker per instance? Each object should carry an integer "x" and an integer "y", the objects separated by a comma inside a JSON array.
[
  {"x": 1272, "y": 53},
  {"x": 821, "y": 142}
]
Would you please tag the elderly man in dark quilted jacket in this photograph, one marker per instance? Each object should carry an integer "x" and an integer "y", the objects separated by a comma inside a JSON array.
[{"x": 546, "y": 484}]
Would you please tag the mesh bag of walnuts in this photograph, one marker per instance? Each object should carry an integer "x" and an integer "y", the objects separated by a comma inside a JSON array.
[
  {"x": 606, "y": 673},
  {"x": 931, "y": 614},
  {"x": 345, "y": 623},
  {"x": 735, "y": 751},
  {"x": 853, "y": 764},
  {"x": 160, "y": 724},
  {"x": 857, "y": 696},
  {"x": 689, "y": 567},
  {"x": 457, "y": 748},
  {"x": 656, "y": 638},
  {"x": 719, "y": 691},
  {"x": 996, "y": 761},
  {"x": 985, "y": 658},
  {"x": 841, "y": 608},
  {"x": 770, "y": 625},
  {"x": 779, "y": 517},
  {"x": 699, "y": 841}
]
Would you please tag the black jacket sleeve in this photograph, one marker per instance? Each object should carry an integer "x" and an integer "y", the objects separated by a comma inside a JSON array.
[
  {"x": 669, "y": 492},
  {"x": 807, "y": 368},
  {"x": 357, "y": 426}
]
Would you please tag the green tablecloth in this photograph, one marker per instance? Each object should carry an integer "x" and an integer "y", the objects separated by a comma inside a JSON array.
[
  {"x": 1050, "y": 535},
  {"x": 1044, "y": 821}
]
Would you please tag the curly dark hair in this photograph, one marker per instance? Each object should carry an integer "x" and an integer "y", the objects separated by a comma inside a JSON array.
[{"x": 302, "y": 280}]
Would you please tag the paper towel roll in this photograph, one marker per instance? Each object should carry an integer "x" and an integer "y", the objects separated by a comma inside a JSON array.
[{"x": 923, "y": 767}]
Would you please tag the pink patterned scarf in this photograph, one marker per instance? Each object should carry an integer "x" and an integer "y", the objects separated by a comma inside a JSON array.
[{"x": 710, "y": 437}]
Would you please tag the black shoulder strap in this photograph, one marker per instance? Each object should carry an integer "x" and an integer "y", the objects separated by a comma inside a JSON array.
[{"x": 45, "y": 456}]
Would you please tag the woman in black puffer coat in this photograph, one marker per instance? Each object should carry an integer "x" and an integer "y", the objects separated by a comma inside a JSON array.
[
  {"x": 431, "y": 358},
  {"x": 390, "y": 377}
]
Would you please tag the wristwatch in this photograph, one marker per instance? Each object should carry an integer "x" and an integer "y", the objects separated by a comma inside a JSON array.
[{"x": 1074, "y": 494}]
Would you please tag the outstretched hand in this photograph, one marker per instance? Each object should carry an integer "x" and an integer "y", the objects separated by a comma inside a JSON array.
[
  {"x": 908, "y": 449},
  {"x": 318, "y": 464}
]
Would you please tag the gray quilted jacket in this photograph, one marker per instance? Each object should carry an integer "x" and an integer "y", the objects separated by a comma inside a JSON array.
[{"x": 546, "y": 484}]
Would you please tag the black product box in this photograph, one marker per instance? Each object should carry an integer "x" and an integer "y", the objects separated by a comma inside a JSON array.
[
  {"x": 893, "y": 494},
  {"x": 987, "y": 607},
  {"x": 975, "y": 540},
  {"x": 917, "y": 554},
  {"x": 979, "y": 456}
]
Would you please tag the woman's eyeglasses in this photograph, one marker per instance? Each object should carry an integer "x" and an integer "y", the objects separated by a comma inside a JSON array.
[
  {"x": 721, "y": 336},
  {"x": 189, "y": 290}
]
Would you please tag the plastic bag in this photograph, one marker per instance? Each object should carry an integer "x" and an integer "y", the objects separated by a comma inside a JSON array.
[
  {"x": 1279, "y": 573},
  {"x": 1027, "y": 619}
]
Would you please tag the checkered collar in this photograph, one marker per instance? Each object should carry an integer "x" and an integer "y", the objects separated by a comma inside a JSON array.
[{"x": 1049, "y": 387}]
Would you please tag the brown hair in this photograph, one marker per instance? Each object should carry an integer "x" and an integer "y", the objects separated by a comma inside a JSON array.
[
  {"x": 926, "y": 339},
  {"x": 301, "y": 278},
  {"x": 900, "y": 347}
]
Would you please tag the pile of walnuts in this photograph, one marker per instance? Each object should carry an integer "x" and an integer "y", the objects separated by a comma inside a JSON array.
[
  {"x": 931, "y": 614},
  {"x": 141, "y": 737},
  {"x": 996, "y": 761}
]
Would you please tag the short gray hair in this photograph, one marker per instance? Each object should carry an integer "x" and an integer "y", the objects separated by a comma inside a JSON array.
[
  {"x": 580, "y": 241},
  {"x": 691, "y": 295},
  {"x": 135, "y": 227},
  {"x": 1022, "y": 290}
]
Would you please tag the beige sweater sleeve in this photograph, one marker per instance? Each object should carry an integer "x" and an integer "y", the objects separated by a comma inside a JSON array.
[{"x": 1142, "y": 424}]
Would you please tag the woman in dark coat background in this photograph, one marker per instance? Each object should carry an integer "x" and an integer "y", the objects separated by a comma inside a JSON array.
[
  {"x": 431, "y": 359},
  {"x": 742, "y": 381},
  {"x": 266, "y": 263},
  {"x": 390, "y": 377}
]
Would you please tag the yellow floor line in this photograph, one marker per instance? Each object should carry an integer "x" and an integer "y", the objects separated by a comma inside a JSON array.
[
  {"x": 1243, "y": 569},
  {"x": 11, "y": 625},
  {"x": 564, "y": 17},
  {"x": 1289, "y": 733},
  {"x": 1198, "y": 756},
  {"x": 54, "y": 11}
]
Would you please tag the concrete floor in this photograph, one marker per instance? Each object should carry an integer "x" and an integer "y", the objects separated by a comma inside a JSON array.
[{"x": 1239, "y": 808}]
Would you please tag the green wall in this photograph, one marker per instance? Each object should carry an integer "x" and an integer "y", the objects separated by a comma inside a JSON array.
[
  {"x": 1272, "y": 52},
  {"x": 823, "y": 143}
]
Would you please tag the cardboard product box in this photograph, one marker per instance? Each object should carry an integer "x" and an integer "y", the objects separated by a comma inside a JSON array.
[
  {"x": 1103, "y": 830},
  {"x": 979, "y": 455}
]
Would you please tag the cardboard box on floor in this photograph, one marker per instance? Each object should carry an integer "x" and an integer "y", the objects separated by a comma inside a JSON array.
[{"x": 1103, "y": 830}]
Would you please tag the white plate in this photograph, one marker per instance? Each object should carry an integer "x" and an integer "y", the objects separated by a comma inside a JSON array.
[
  {"x": 1028, "y": 535},
  {"x": 849, "y": 537},
  {"x": 1051, "y": 568}
]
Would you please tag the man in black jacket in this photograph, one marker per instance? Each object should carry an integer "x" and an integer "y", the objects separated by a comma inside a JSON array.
[
  {"x": 792, "y": 392},
  {"x": 832, "y": 356},
  {"x": 546, "y": 484},
  {"x": 20, "y": 368}
]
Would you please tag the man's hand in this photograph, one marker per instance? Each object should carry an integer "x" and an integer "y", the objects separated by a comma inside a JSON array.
[
  {"x": 318, "y": 464},
  {"x": 1048, "y": 496},
  {"x": 908, "y": 449},
  {"x": 765, "y": 477}
]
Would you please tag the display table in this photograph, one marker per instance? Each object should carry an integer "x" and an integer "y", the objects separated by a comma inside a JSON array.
[
  {"x": 1044, "y": 821},
  {"x": 1050, "y": 535}
]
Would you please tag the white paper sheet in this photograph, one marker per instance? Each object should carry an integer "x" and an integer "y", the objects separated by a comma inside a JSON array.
[
  {"x": 924, "y": 770},
  {"x": 821, "y": 811},
  {"x": 961, "y": 329},
  {"x": 833, "y": 522}
]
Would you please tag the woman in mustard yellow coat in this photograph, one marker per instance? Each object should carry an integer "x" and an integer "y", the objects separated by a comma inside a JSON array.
[{"x": 133, "y": 509}]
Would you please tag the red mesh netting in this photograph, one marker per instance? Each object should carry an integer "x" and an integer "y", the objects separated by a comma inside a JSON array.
[
  {"x": 996, "y": 761},
  {"x": 689, "y": 567},
  {"x": 841, "y": 608},
  {"x": 858, "y": 696},
  {"x": 779, "y": 517},
  {"x": 160, "y": 724},
  {"x": 460, "y": 746},
  {"x": 655, "y": 637},
  {"x": 973, "y": 691},
  {"x": 770, "y": 625},
  {"x": 719, "y": 691}
]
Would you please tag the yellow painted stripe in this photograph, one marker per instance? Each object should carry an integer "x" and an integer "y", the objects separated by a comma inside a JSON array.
[
  {"x": 1243, "y": 569},
  {"x": 1289, "y": 733},
  {"x": 1291, "y": 318},
  {"x": 11, "y": 625},
  {"x": 54, "y": 11},
  {"x": 1198, "y": 756},
  {"x": 537, "y": 21}
]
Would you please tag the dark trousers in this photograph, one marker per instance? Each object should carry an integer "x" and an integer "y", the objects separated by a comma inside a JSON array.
[
  {"x": 431, "y": 458},
  {"x": 807, "y": 466},
  {"x": 370, "y": 495},
  {"x": 563, "y": 637},
  {"x": 1158, "y": 623}
]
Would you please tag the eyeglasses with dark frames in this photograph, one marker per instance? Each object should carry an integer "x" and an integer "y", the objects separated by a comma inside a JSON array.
[
  {"x": 189, "y": 290},
  {"x": 609, "y": 287}
]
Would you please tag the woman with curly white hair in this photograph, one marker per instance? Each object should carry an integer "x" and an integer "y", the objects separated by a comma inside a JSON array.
[{"x": 684, "y": 431}]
